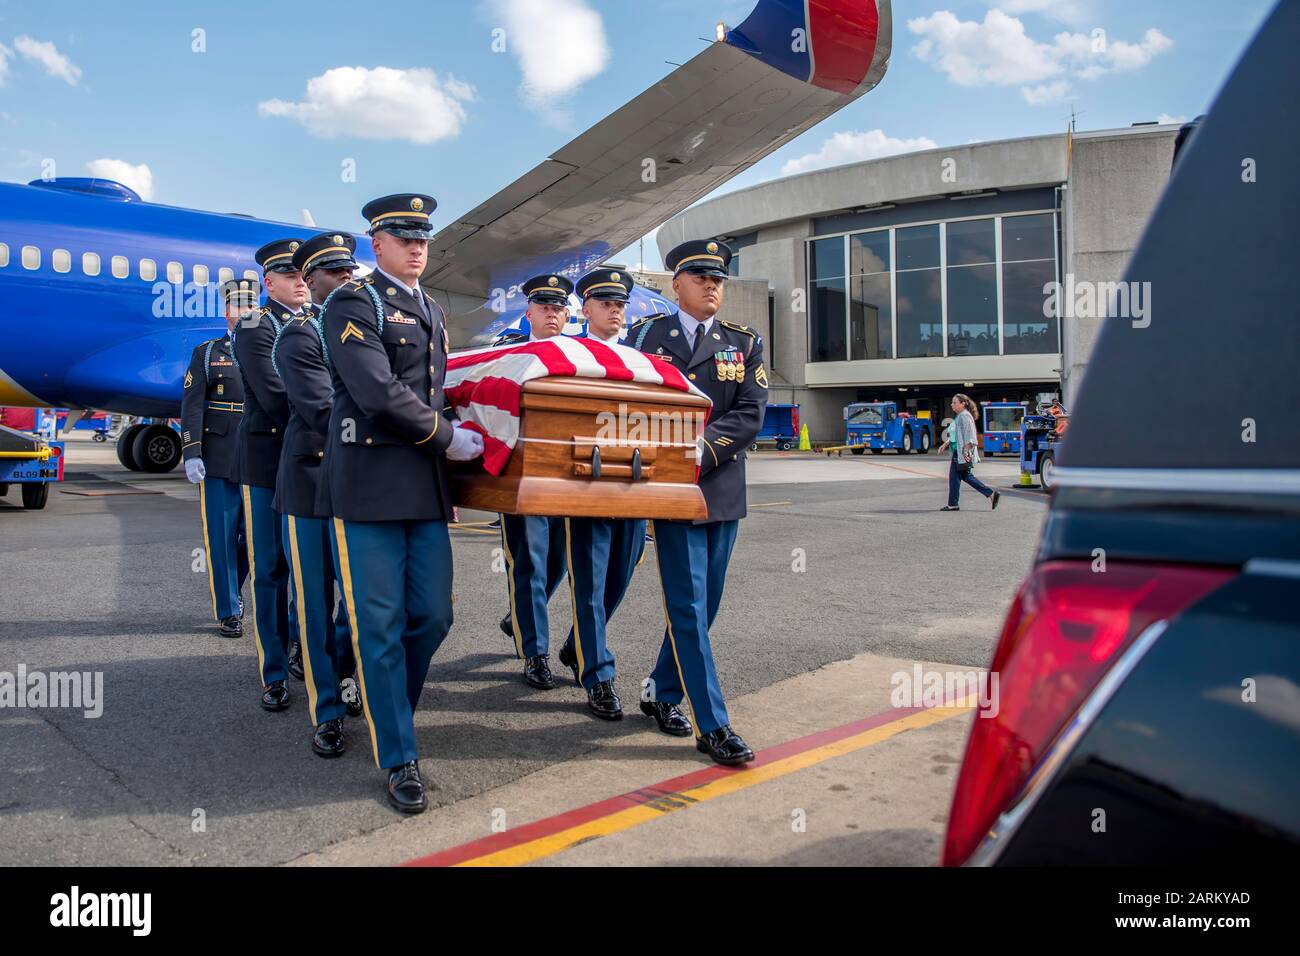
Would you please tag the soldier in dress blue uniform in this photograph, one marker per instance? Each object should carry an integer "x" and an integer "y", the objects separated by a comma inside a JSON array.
[
  {"x": 299, "y": 356},
  {"x": 211, "y": 407},
  {"x": 602, "y": 552},
  {"x": 534, "y": 545},
  {"x": 261, "y": 434},
  {"x": 725, "y": 361},
  {"x": 384, "y": 479}
]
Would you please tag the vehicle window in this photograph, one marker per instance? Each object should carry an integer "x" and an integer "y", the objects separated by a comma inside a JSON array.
[
  {"x": 61, "y": 260},
  {"x": 225, "y": 275},
  {"x": 121, "y": 267},
  {"x": 201, "y": 275},
  {"x": 31, "y": 257},
  {"x": 148, "y": 270},
  {"x": 252, "y": 276},
  {"x": 1003, "y": 419},
  {"x": 866, "y": 416},
  {"x": 4, "y": 255},
  {"x": 90, "y": 263},
  {"x": 175, "y": 274}
]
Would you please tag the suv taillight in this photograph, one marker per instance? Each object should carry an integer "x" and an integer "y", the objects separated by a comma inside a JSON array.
[{"x": 1065, "y": 628}]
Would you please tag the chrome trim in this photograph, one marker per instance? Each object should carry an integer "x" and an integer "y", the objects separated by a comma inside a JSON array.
[
  {"x": 1268, "y": 481},
  {"x": 1006, "y": 825},
  {"x": 1272, "y": 567}
]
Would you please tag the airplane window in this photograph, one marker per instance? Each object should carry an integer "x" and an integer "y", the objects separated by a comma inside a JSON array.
[
  {"x": 225, "y": 275},
  {"x": 201, "y": 275},
  {"x": 251, "y": 275},
  {"x": 148, "y": 270},
  {"x": 62, "y": 260},
  {"x": 175, "y": 274},
  {"x": 4, "y": 255},
  {"x": 121, "y": 268},
  {"x": 90, "y": 263},
  {"x": 31, "y": 257}
]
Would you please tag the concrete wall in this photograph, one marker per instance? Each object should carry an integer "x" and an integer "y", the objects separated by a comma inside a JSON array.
[{"x": 1116, "y": 178}]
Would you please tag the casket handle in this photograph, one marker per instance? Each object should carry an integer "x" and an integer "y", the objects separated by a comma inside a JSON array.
[
  {"x": 636, "y": 464},
  {"x": 595, "y": 461}
]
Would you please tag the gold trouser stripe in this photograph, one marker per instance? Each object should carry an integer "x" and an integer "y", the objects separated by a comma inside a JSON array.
[
  {"x": 573, "y": 598},
  {"x": 510, "y": 586},
  {"x": 207, "y": 547},
  {"x": 345, "y": 570},
  {"x": 295, "y": 567},
  {"x": 252, "y": 579},
  {"x": 672, "y": 641}
]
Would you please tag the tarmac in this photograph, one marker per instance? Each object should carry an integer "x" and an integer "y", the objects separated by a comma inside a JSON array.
[{"x": 845, "y": 577}]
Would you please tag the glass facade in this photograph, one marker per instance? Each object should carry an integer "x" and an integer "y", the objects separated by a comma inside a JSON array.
[{"x": 963, "y": 287}]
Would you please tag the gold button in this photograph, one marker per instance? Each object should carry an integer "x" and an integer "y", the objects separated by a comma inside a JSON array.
[
  {"x": 692, "y": 376},
  {"x": 273, "y": 430},
  {"x": 401, "y": 341},
  {"x": 430, "y": 346},
  {"x": 370, "y": 441},
  {"x": 320, "y": 454}
]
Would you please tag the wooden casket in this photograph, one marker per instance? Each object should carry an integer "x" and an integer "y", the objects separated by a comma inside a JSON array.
[{"x": 596, "y": 448}]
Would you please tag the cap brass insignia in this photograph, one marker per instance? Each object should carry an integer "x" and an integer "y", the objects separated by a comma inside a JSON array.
[
  {"x": 552, "y": 281},
  {"x": 338, "y": 240},
  {"x": 293, "y": 247},
  {"x": 417, "y": 203},
  {"x": 615, "y": 277},
  {"x": 712, "y": 248}
]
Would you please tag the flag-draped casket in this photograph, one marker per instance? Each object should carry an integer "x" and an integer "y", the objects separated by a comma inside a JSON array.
[{"x": 576, "y": 427}]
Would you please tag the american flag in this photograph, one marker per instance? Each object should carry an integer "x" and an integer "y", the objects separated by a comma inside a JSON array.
[{"x": 484, "y": 385}]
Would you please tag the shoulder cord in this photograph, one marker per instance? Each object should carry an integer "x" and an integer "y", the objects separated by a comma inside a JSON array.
[
  {"x": 207, "y": 357},
  {"x": 640, "y": 338},
  {"x": 234, "y": 356}
]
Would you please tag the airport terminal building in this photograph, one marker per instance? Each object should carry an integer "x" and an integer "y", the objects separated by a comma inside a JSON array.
[{"x": 915, "y": 276}]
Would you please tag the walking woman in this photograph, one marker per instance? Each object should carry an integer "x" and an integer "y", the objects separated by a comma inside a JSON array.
[{"x": 965, "y": 455}]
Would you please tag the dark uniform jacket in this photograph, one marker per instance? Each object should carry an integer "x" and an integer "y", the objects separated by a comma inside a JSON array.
[
  {"x": 300, "y": 362},
  {"x": 739, "y": 399},
  {"x": 211, "y": 409},
  {"x": 266, "y": 409},
  {"x": 384, "y": 448}
]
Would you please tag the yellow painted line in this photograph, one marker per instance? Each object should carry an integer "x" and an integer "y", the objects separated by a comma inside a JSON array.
[{"x": 732, "y": 783}]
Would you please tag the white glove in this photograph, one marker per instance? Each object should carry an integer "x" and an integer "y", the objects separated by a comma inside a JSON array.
[
  {"x": 699, "y": 450},
  {"x": 466, "y": 444},
  {"x": 195, "y": 471}
]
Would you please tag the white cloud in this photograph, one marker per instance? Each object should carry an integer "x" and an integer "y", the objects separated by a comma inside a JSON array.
[
  {"x": 48, "y": 56},
  {"x": 1166, "y": 118},
  {"x": 854, "y": 146},
  {"x": 1053, "y": 92},
  {"x": 5, "y": 53},
  {"x": 560, "y": 44},
  {"x": 138, "y": 178},
  {"x": 998, "y": 52},
  {"x": 379, "y": 103}
]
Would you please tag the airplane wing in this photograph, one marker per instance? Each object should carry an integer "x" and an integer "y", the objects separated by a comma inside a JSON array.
[{"x": 787, "y": 67}]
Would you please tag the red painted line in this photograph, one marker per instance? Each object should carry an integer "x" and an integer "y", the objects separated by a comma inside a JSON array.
[{"x": 666, "y": 788}]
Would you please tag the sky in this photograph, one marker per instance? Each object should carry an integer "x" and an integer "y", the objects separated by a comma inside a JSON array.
[{"x": 270, "y": 108}]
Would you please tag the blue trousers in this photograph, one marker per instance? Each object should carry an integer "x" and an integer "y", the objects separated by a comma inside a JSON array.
[
  {"x": 535, "y": 563},
  {"x": 274, "y": 615},
  {"x": 601, "y": 554},
  {"x": 957, "y": 474},
  {"x": 693, "y": 561},
  {"x": 397, "y": 578},
  {"x": 326, "y": 642},
  {"x": 223, "y": 544}
]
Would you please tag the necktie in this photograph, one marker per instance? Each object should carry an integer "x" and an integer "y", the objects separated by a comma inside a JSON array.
[{"x": 695, "y": 338}]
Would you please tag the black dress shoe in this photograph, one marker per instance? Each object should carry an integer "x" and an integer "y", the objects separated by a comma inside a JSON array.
[
  {"x": 351, "y": 695},
  {"x": 295, "y": 660},
  {"x": 537, "y": 671},
  {"x": 506, "y": 628},
  {"x": 603, "y": 701},
  {"x": 569, "y": 658},
  {"x": 669, "y": 717},
  {"x": 327, "y": 741},
  {"x": 232, "y": 627},
  {"x": 275, "y": 696},
  {"x": 406, "y": 789},
  {"x": 725, "y": 747},
  {"x": 996, "y": 496}
]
